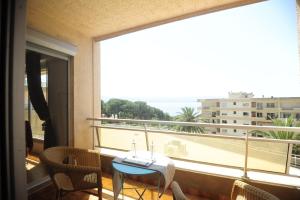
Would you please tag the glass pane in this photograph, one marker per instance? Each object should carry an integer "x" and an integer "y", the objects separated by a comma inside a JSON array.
[
  {"x": 36, "y": 124},
  {"x": 122, "y": 139},
  {"x": 202, "y": 149},
  {"x": 29, "y": 113},
  {"x": 268, "y": 156}
]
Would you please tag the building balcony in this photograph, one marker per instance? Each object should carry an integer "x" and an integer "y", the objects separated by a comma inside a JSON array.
[
  {"x": 259, "y": 159},
  {"x": 202, "y": 157}
]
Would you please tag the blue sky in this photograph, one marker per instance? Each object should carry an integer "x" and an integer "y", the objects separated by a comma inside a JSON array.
[{"x": 251, "y": 48}]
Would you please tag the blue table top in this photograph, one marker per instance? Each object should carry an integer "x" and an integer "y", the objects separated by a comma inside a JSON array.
[{"x": 129, "y": 169}]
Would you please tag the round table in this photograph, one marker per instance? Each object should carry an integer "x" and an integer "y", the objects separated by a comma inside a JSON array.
[{"x": 127, "y": 169}]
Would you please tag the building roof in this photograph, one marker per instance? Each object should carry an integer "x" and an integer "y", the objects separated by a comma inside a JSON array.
[{"x": 251, "y": 99}]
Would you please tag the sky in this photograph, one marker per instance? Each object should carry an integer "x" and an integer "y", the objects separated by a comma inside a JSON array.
[{"x": 252, "y": 48}]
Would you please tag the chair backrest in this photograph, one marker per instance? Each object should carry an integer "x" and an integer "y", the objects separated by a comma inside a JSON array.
[{"x": 244, "y": 191}]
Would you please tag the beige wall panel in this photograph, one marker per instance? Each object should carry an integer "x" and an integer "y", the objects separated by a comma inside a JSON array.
[{"x": 81, "y": 82}]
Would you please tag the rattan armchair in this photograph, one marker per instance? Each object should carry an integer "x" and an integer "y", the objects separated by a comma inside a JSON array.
[
  {"x": 240, "y": 191},
  {"x": 73, "y": 169},
  {"x": 244, "y": 191}
]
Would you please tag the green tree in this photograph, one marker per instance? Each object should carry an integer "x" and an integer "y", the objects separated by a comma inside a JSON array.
[
  {"x": 189, "y": 115},
  {"x": 132, "y": 110},
  {"x": 284, "y": 135},
  {"x": 287, "y": 135}
]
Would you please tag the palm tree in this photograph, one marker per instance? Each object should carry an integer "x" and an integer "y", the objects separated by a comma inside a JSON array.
[
  {"x": 287, "y": 135},
  {"x": 189, "y": 115}
]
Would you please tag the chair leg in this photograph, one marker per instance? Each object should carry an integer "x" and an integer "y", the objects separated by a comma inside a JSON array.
[
  {"x": 57, "y": 195},
  {"x": 100, "y": 193}
]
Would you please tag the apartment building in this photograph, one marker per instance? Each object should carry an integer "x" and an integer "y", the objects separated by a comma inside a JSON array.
[{"x": 242, "y": 108}]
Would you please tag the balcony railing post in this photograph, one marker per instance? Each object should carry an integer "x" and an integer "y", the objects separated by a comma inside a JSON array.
[
  {"x": 146, "y": 137},
  {"x": 98, "y": 137},
  {"x": 245, "y": 176},
  {"x": 289, "y": 157}
]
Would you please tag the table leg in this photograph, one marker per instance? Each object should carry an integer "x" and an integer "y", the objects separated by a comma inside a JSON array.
[
  {"x": 158, "y": 186},
  {"x": 122, "y": 182}
]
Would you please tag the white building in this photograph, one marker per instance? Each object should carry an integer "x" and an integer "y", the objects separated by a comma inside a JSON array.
[{"x": 242, "y": 108}]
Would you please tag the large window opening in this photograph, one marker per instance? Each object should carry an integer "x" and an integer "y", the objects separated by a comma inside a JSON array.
[{"x": 243, "y": 61}]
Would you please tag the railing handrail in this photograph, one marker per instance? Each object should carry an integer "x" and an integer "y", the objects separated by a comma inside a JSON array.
[
  {"x": 261, "y": 139},
  {"x": 202, "y": 124},
  {"x": 245, "y": 138}
]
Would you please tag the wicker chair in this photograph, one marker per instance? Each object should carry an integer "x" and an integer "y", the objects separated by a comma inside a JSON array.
[
  {"x": 244, "y": 191},
  {"x": 73, "y": 169},
  {"x": 240, "y": 191}
]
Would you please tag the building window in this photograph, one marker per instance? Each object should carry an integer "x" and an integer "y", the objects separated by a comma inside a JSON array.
[
  {"x": 253, "y": 104},
  {"x": 285, "y": 115},
  {"x": 270, "y": 105},
  {"x": 253, "y": 123},
  {"x": 234, "y": 112},
  {"x": 259, "y": 114},
  {"x": 297, "y": 116},
  {"x": 259, "y": 106},
  {"x": 234, "y": 121},
  {"x": 234, "y": 130},
  {"x": 224, "y": 114},
  {"x": 224, "y": 121},
  {"x": 234, "y": 103},
  {"x": 213, "y": 114},
  {"x": 253, "y": 114},
  {"x": 271, "y": 116},
  {"x": 245, "y": 114}
]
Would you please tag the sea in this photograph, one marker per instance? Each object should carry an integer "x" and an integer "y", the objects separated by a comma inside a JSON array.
[{"x": 170, "y": 105}]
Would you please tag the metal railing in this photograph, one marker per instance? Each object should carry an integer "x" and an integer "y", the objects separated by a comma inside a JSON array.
[{"x": 246, "y": 138}]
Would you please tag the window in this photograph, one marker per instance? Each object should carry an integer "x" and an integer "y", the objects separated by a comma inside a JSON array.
[
  {"x": 271, "y": 116},
  {"x": 285, "y": 115},
  {"x": 253, "y": 123},
  {"x": 224, "y": 114},
  {"x": 234, "y": 121},
  {"x": 234, "y": 103},
  {"x": 234, "y": 112},
  {"x": 270, "y": 105},
  {"x": 297, "y": 116},
  {"x": 245, "y": 114},
  {"x": 224, "y": 121},
  {"x": 213, "y": 114},
  {"x": 30, "y": 114},
  {"x": 224, "y": 130},
  {"x": 253, "y": 104},
  {"x": 253, "y": 114},
  {"x": 259, "y": 106},
  {"x": 234, "y": 130},
  {"x": 259, "y": 114}
]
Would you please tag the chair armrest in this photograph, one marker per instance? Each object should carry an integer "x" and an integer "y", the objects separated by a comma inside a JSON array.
[{"x": 177, "y": 192}]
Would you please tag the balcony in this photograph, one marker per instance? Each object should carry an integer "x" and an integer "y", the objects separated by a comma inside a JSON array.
[{"x": 265, "y": 160}]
